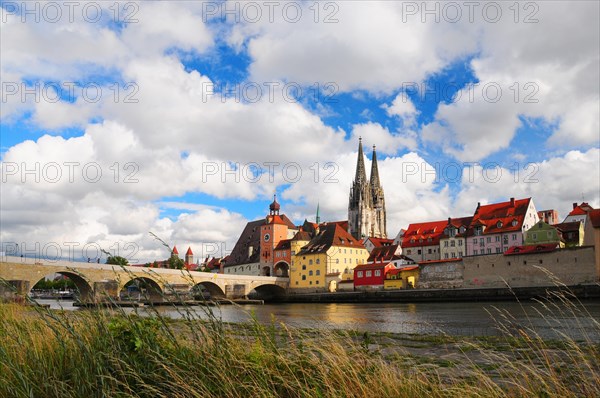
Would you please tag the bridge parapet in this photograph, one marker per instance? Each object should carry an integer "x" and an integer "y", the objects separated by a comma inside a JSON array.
[{"x": 97, "y": 281}]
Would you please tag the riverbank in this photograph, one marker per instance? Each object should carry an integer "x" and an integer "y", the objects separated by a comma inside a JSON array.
[
  {"x": 77, "y": 354},
  {"x": 447, "y": 295}
]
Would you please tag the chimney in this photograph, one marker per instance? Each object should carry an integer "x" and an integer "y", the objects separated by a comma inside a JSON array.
[
  {"x": 574, "y": 205},
  {"x": 449, "y": 220},
  {"x": 512, "y": 202}
]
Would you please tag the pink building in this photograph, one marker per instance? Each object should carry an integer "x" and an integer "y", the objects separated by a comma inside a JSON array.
[{"x": 497, "y": 227}]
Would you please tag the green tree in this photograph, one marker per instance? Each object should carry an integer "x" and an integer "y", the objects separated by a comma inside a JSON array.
[
  {"x": 117, "y": 260},
  {"x": 175, "y": 262}
]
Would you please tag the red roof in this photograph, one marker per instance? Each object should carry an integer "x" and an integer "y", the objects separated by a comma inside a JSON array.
[
  {"x": 384, "y": 253},
  {"x": 530, "y": 249},
  {"x": 174, "y": 250},
  {"x": 276, "y": 219},
  {"x": 396, "y": 271},
  {"x": 581, "y": 210},
  {"x": 424, "y": 234},
  {"x": 378, "y": 242},
  {"x": 372, "y": 266},
  {"x": 189, "y": 251},
  {"x": 500, "y": 217}
]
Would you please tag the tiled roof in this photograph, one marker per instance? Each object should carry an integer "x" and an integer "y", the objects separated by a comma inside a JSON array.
[
  {"x": 250, "y": 237},
  {"x": 530, "y": 249},
  {"x": 330, "y": 235},
  {"x": 457, "y": 223},
  {"x": 396, "y": 271},
  {"x": 362, "y": 267},
  {"x": 379, "y": 242},
  {"x": 189, "y": 251},
  {"x": 424, "y": 234},
  {"x": 302, "y": 236},
  {"x": 500, "y": 217},
  {"x": 568, "y": 226},
  {"x": 384, "y": 253},
  {"x": 283, "y": 244},
  {"x": 174, "y": 251},
  {"x": 581, "y": 210}
]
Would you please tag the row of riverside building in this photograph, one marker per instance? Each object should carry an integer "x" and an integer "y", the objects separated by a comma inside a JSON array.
[{"x": 357, "y": 254}]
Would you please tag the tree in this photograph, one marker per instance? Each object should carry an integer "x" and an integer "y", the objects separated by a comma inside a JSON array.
[
  {"x": 117, "y": 260},
  {"x": 175, "y": 262}
]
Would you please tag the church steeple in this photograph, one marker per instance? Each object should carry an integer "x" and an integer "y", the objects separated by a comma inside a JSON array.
[
  {"x": 361, "y": 173},
  {"x": 374, "y": 171}
]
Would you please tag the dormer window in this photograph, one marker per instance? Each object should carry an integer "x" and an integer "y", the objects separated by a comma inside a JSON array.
[
  {"x": 499, "y": 224},
  {"x": 514, "y": 223},
  {"x": 462, "y": 229}
]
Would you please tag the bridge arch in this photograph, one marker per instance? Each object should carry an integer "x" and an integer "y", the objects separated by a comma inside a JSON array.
[
  {"x": 281, "y": 269},
  {"x": 213, "y": 289},
  {"x": 85, "y": 291},
  {"x": 269, "y": 292},
  {"x": 142, "y": 287}
]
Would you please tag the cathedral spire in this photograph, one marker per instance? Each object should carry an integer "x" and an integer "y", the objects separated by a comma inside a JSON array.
[
  {"x": 361, "y": 174},
  {"x": 374, "y": 171},
  {"x": 318, "y": 218}
]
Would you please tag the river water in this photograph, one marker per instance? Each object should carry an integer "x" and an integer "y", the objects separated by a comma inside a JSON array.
[{"x": 549, "y": 320}]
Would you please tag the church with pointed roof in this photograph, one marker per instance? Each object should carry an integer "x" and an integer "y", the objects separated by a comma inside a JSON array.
[{"x": 366, "y": 207}]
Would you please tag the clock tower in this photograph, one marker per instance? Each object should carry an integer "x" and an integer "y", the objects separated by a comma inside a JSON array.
[{"x": 271, "y": 232}]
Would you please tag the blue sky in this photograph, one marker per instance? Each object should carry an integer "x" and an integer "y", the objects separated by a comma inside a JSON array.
[{"x": 376, "y": 73}]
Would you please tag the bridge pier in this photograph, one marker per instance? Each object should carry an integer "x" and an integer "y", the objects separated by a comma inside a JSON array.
[
  {"x": 104, "y": 291},
  {"x": 14, "y": 291},
  {"x": 234, "y": 292}
]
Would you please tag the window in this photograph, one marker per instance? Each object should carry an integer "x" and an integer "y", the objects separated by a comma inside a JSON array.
[
  {"x": 534, "y": 236},
  {"x": 475, "y": 240},
  {"x": 452, "y": 244},
  {"x": 460, "y": 242},
  {"x": 460, "y": 254},
  {"x": 359, "y": 274},
  {"x": 445, "y": 255},
  {"x": 497, "y": 238},
  {"x": 368, "y": 274},
  {"x": 337, "y": 260},
  {"x": 304, "y": 267},
  {"x": 429, "y": 251},
  {"x": 317, "y": 282},
  {"x": 310, "y": 282},
  {"x": 498, "y": 250},
  {"x": 310, "y": 273},
  {"x": 408, "y": 251},
  {"x": 318, "y": 261},
  {"x": 453, "y": 255},
  {"x": 303, "y": 277},
  {"x": 489, "y": 251},
  {"x": 318, "y": 272},
  {"x": 488, "y": 239},
  {"x": 419, "y": 251},
  {"x": 445, "y": 243},
  {"x": 377, "y": 272},
  {"x": 475, "y": 252}
]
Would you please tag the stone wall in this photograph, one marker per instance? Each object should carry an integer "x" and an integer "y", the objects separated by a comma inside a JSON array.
[
  {"x": 569, "y": 266},
  {"x": 441, "y": 275}
]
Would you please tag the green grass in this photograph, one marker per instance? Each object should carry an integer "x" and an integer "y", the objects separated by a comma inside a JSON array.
[{"x": 104, "y": 353}]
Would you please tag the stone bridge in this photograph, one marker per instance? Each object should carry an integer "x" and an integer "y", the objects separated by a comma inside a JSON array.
[{"x": 101, "y": 282}]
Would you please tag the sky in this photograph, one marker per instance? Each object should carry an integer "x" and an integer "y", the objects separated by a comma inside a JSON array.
[{"x": 184, "y": 118}]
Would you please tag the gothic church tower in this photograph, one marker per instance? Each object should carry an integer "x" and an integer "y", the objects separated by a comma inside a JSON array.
[{"x": 366, "y": 207}]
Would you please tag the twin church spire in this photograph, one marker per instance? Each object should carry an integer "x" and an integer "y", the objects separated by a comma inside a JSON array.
[{"x": 366, "y": 207}]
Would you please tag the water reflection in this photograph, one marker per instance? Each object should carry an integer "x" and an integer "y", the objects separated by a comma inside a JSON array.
[{"x": 481, "y": 319}]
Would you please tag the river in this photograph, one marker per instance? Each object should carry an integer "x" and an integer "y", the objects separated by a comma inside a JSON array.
[{"x": 462, "y": 318}]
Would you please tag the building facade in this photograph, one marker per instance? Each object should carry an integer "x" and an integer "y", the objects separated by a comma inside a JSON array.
[
  {"x": 366, "y": 207},
  {"x": 332, "y": 251},
  {"x": 453, "y": 243},
  {"x": 421, "y": 241},
  {"x": 497, "y": 227}
]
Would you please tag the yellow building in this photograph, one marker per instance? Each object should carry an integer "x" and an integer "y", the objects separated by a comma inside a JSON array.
[{"x": 332, "y": 250}]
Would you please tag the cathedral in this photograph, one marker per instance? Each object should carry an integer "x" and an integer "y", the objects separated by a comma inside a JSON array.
[{"x": 366, "y": 208}]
